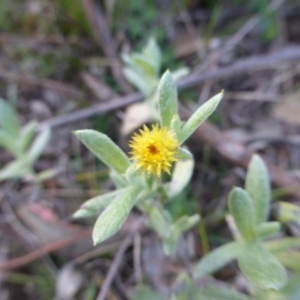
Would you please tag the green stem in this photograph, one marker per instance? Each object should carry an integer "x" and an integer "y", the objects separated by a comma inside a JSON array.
[{"x": 203, "y": 237}]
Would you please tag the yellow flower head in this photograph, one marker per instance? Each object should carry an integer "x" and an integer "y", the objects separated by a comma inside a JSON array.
[{"x": 154, "y": 150}]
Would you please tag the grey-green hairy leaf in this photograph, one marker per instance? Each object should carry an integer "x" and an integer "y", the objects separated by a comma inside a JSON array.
[
  {"x": 181, "y": 176},
  {"x": 199, "y": 116},
  {"x": 267, "y": 229},
  {"x": 137, "y": 80},
  {"x": 258, "y": 188},
  {"x": 288, "y": 212},
  {"x": 15, "y": 169},
  {"x": 170, "y": 243},
  {"x": 159, "y": 222},
  {"x": 38, "y": 145},
  {"x": 282, "y": 244},
  {"x": 153, "y": 53},
  {"x": 45, "y": 175},
  {"x": 9, "y": 119},
  {"x": 167, "y": 99},
  {"x": 27, "y": 134},
  {"x": 241, "y": 208},
  {"x": 179, "y": 73},
  {"x": 261, "y": 267},
  {"x": 135, "y": 176},
  {"x": 217, "y": 259},
  {"x": 114, "y": 216},
  {"x": 95, "y": 204},
  {"x": 9, "y": 142},
  {"x": 176, "y": 125},
  {"x": 144, "y": 63},
  {"x": 118, "y": 179},
  {"x": 105, "y": 149},
  {"x": 185, "y": 223},
  {"x": 184, "y": 154},
  {"x": 289, "y": 259}
]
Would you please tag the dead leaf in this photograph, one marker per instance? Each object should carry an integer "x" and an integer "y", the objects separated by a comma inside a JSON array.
[
  {"x": 68, "y": 282},
  {"x": 185, "y": 44},
  {"x": 135, "y": 116}
]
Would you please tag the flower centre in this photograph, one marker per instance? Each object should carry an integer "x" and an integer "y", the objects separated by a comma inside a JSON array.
[{"x": 152, "y": 149}]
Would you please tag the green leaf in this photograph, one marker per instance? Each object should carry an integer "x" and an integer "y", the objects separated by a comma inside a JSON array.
[
  {"x": 167, "y": 99},
  {"x": 258, "y": 188},
  {"x": 26, "y": 135},
  {"x": 217, "y": 259},
  {"x": 159, "y": 222},
  {"x": 105, "y": 149},
  {"x": 290, "y": 259},
  {"x": 181, "y": 176},
  {"x": 9, "y": 142},
  {"x": 38, "y": 145},
  {"x": 118, "y": 179},
  {"x": 45, "y": 175},
  {"x": 9, "y": 119},
  {"x": 95, "y": 204},
  {"x": 16, "y": 169},
  {"x": 282, "y": 244},
  {"x": 135, "y": 176},
  {"x": 261, "y": 267},
  {"x": 144, "y": 63},
  {"x": 137, "y": 80},
  {"x": 179, "y": 73},
  {"x": 176, "y": 125},
  {"x": 267, "y": 229},
  {"x": 170, "y": 243},
  {"x": 113, "y": 217},
  {"x": 185, "y": 223},
  {"x": 288, "y": 212},
  {"x": 184, "y": 154},
  {"x": 199, "y": 116},
  {"x": 171, "y": 239},
  {"x": 153, "y": 53},
  {"x": 241, "y": 208}
]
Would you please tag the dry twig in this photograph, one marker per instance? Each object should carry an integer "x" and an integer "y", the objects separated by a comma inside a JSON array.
[
  {"x": 31, "y": 256},
  {"x": 230, "y": 149},
  {"x": 251, "y": 64}
]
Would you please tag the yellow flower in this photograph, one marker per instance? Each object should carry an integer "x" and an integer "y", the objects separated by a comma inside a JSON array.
[{"x": 154, "y": 150}]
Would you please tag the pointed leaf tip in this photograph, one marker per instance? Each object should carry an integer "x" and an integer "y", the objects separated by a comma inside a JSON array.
[
  {"x": 167, "y": 99},
  {"x": 105, "y": 149},
  {"x": 258, "y": 188}
]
